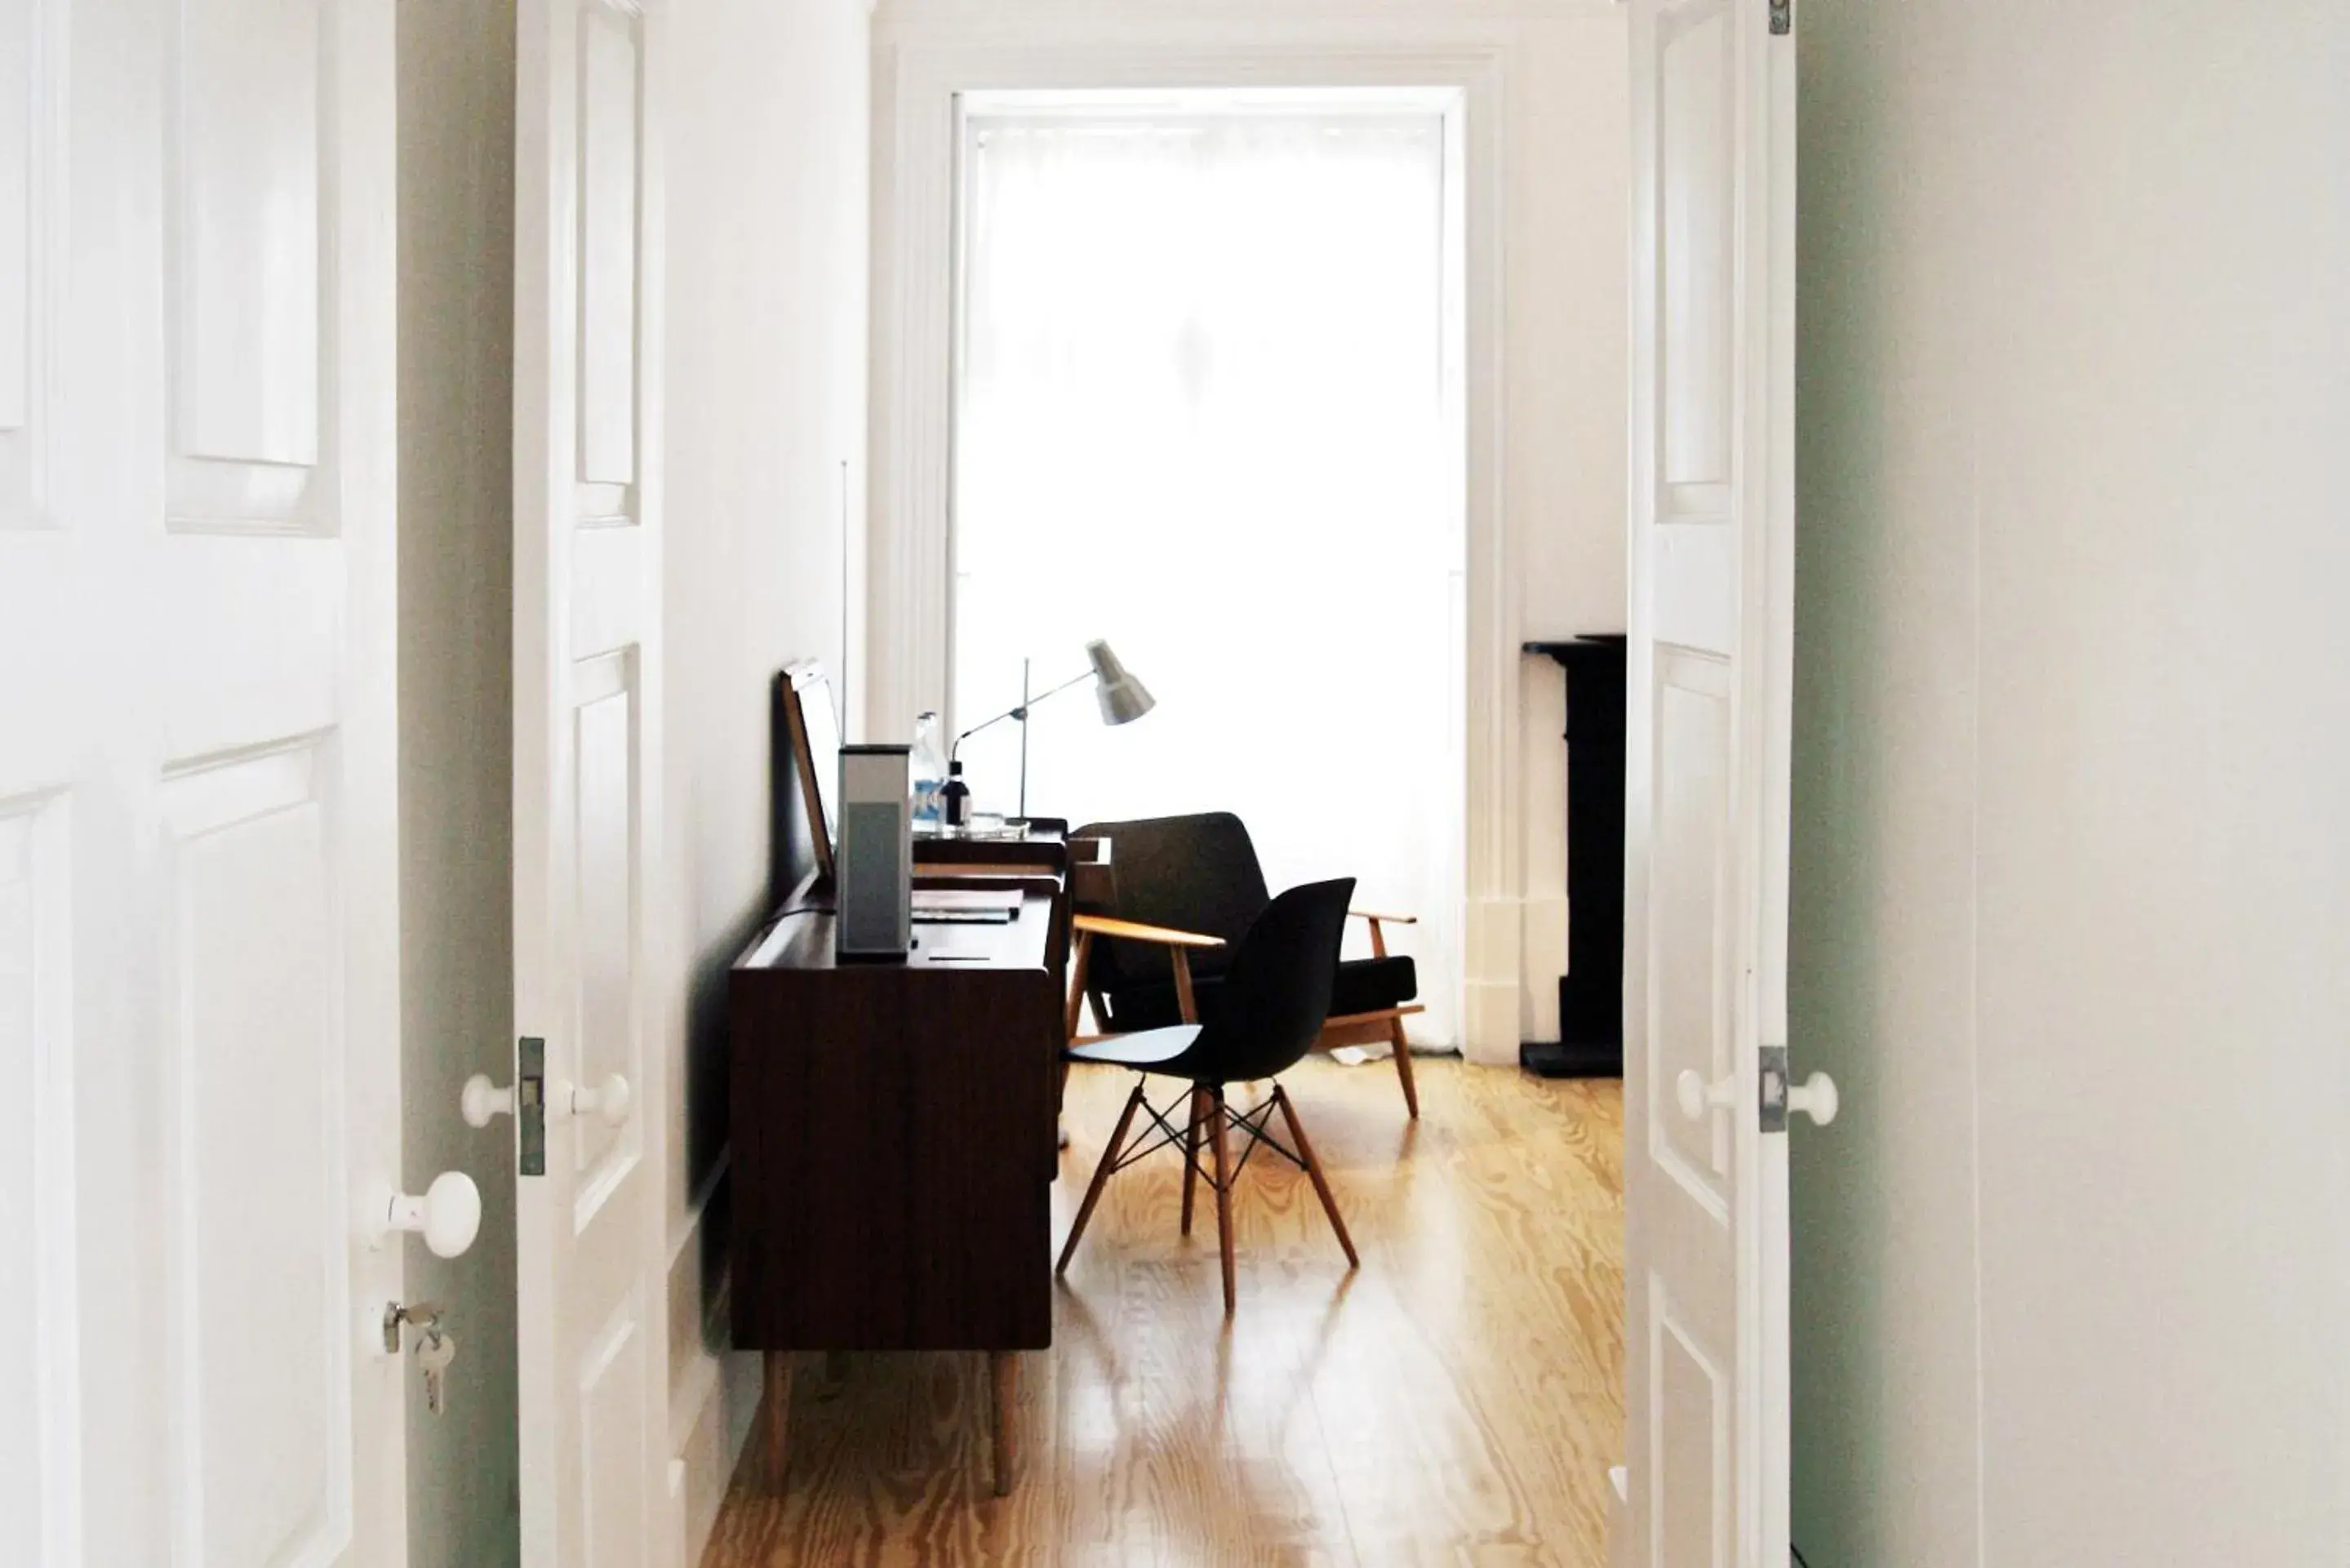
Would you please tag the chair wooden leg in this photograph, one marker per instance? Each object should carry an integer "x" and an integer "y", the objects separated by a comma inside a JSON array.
[
  {"x": 1220, "y": 1133},
  {"x": 1003, "y": 1372},
  {"x": 1101, "y": 1179},
  {"x": 1313, "y": 1170},
  {"x": 1403, "y": 1068},
  {"x": 1191, "y": 1151},
  {"x": 778, "y": 1414}
]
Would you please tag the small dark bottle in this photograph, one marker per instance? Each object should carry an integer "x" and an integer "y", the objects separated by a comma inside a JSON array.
[{"x": 954, "y": 799}]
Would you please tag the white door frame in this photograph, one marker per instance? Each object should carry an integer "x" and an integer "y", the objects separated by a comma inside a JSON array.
[{"x": 907, "y": 644}]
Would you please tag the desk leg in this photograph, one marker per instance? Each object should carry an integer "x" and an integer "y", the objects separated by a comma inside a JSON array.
[
  {"x": 779, "y": 1417},
  {"x": 1003, "y": 1371}
]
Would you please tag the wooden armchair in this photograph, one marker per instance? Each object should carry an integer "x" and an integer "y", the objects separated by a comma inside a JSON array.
[{"x": 1187, "y": 887}]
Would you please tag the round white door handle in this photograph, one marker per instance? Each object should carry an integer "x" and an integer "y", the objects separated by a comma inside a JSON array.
[
  {"x": 1815, "y": 1096},
  {"x": 609, "y": 1101},
  {"x": 449, "y": 1215},
  {"x": 484, "y": 1101},
  {"x": 1697, "y": 1097}
]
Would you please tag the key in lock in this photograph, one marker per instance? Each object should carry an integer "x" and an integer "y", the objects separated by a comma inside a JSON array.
[{"x": 435, "y": 1349}]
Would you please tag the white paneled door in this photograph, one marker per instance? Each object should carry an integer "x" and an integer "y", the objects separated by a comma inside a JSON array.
[
  {"x": 1711, "y": 559},
  {"x": 199, "y": 962},
  {"x": 592, "y": 1263}
]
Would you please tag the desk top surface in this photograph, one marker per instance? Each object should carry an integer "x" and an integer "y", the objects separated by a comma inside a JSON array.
[{"x": 802, "y": 939}]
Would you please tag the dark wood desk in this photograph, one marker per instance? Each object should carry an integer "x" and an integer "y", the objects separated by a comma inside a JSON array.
[{"x": 893, "y": 1130}]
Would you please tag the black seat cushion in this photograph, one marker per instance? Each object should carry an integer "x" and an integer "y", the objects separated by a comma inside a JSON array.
[
  {"x": 1367, "y": 985},
  {"x": 1364, "y": 985}
]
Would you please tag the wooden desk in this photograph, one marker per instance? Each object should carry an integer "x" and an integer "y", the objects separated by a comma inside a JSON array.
[{"x": 893, "y": 1129}]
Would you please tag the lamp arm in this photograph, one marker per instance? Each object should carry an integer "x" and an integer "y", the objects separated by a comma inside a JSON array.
[{"x": 1021, "y": 712}]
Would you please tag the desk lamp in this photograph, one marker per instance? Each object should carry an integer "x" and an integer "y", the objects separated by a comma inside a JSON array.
[{"x": 1123, "y": 699}]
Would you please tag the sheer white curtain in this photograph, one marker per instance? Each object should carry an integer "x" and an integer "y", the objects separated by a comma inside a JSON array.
[{"x": 1203, "y": 415}]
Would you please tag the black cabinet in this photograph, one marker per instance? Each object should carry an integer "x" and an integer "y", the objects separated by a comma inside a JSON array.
[{"x": 1591, "y": 992}]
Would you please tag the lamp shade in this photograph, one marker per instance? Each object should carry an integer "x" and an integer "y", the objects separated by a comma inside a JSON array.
[{"x": 1123, "y": 698}]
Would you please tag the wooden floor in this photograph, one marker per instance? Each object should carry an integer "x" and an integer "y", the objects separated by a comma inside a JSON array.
[{"x": 1459, "y": 1400}]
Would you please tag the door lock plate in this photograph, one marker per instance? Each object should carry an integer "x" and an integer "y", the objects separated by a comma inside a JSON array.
[
  {"x": 1775, "y": 1088},
  {"x": 530, "y": 1105}
]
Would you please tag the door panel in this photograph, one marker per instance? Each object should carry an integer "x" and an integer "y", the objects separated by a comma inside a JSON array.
[
  {"x": 244, "y": 225},
  {"x": 592, "y": 1259},
  {"x": 605, "y": 852},
  {"x": 1694, "y": 154},
  {"x": 38, "y": 1405},
  {"x": 199, "y": 909},
  {"x": 254, "y": 1164},
  {"x": 1689, "y": 1006},
  {"x": 607, "y": 253},
  {"x": 615, "y": 1391},
  {"x": 1692, "y": 1459},
  {"x": 1706, "y": 827}
]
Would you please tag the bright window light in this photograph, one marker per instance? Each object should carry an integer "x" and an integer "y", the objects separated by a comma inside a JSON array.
[{"x": 1207, "y": 410}]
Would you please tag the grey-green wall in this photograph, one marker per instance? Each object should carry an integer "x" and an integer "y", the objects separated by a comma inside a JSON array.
[
  {"x": 2071, "y": 911},
  {"x": 456, "y": 721}
]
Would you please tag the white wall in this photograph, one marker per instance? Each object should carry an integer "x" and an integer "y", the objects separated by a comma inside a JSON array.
[
  {"x": 1556, "y": 416},
  {"x": 456, "y": 333},
  {"x": 1567, "y": 336},
  {"x": 766, "y": 256},
  {"x": 2072, "y": 903}
]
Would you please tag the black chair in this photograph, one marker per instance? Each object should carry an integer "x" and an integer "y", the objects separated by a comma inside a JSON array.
[
  {"x": 1275, "y": 994},
  {"x": 1195, "y": 878}
]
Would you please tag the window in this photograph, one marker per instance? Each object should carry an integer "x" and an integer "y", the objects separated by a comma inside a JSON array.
[{"x": 1207, "y": 411}]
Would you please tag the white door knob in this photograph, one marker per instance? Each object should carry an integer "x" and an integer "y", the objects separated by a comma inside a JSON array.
[
  {"x": 1815, "y": 1096},
  {"x": 449, "y": 1215},
  {"x": 482, "y": 1101},
  {"x": 609, "y": 1101},
  {"x": 1697, "y": 1097}
]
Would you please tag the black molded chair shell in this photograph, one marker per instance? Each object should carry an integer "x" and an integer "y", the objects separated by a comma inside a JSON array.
[{"x": 1276, "y": 993}]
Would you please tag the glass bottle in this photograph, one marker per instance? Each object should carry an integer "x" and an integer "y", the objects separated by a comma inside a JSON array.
[
  {"x": 927, "y": 768},
  {"x": 954, "y": 798}
]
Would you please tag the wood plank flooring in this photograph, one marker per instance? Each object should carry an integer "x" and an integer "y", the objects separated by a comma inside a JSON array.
[{"x": 1457, "y": 1401}]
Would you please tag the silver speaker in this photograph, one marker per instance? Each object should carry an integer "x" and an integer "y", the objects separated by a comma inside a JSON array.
[{"x": 874, "y": 884}]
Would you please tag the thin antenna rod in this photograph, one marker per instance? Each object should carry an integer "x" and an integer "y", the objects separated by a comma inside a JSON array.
[{"x": 853, "y": 728}]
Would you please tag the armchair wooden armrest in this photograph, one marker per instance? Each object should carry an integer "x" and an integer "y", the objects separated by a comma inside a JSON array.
[
  {"x": 1378, "y": 922},
  {"x": 1177, "y": 943},
  {"x": 1134, "y": 931}
]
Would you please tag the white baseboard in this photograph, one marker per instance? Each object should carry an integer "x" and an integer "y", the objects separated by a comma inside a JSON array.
[
  {"x": 713, "y": 1392},
  {"x": 1542, "y": 958},
  {"x": 704, "y": 1463},
  {"x": 1488, "y": 1032}
]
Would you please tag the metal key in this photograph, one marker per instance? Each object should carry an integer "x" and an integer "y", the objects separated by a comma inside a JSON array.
[{"x": 434, "y": 1352}]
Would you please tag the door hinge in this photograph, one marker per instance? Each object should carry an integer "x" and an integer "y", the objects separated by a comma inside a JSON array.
[
  {"x": 1782, "y": 17},
  {"x": 1775, "y": 1088},
  {"x": 530, "y": 1105}
]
